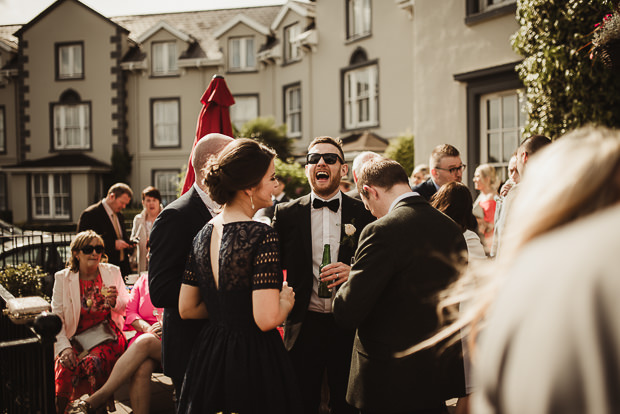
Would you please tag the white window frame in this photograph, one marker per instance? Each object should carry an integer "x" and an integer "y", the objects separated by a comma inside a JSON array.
[
  {"x": 292, "y": 51},
  {"x": 486, "y": 5},
  {"x": 292, "y": 110},
  {"x": 361, "y": 106},
  {"x": 71, "y": 126},
  {"x": 167, "y": 182},
  {"x": 359, "y": 18},
  {"x": 501, "y": 130},
  {"x": 51, "y": 197},
  {"x": 241, "y": 54},
  {"x": 245, "y": 109},
  {"x": 165, "y": 122},
  {"x": 73, "y": 67},
  {"x": 164, "y": 58}
]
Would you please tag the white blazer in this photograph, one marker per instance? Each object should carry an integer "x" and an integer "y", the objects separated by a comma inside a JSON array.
[{"x": 66, "y": 301}]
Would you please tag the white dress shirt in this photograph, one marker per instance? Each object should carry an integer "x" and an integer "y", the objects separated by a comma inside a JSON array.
[
  {"x": 212, "y": 206},
  {"x": 325, "y": 226}
]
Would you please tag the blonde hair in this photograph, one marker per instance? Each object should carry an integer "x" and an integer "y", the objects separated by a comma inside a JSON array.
[
  {"x": 488, "y": 171},
  {"x": 83, "y": 239},
  {"x": 539, "y": 208}
]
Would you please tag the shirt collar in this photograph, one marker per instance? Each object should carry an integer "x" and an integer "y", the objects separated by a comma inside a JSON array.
[
  {"x": 337, "y": 196},
  {"x": 107, "y": 208},
  {"x": 211, "y": 205},
  {"x": 400, "y": 197}
]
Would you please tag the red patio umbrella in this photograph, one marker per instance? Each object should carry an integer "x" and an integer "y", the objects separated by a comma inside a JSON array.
[{"x": 214, "y": 117}]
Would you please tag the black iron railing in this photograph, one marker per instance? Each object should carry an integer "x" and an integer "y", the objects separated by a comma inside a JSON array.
[{"x": 27, "y": 362}]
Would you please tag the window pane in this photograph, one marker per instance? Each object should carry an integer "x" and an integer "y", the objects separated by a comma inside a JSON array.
[
  {"x": 494, "y": 147},
  {"x": 493, "y": 109},
  {"x": 244, "y": 109},
  {"x": 167, "y": 183},
  {"x": 166, "y": 123},
  {"x": 511, "y": 142},
  {"x": 249, "y": 53},
  {"x": 235, "y": 53},
  {"x": 509, "y": 109}
]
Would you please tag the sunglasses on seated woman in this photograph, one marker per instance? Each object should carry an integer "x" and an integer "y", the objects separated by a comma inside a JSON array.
[
  {"x": 89, "y": 249},
  {"x": 314, "y": 158}
]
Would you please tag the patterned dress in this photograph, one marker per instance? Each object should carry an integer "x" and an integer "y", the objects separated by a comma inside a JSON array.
[
  {"x": 94, "y": 368},
  {"x": 234, "y": 366}
]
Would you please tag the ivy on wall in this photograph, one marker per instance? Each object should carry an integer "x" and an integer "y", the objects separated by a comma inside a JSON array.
[{"x": 565, "y": 89}]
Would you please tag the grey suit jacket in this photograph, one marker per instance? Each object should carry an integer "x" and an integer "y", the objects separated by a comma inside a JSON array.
[{"x": 403, "y": 260}]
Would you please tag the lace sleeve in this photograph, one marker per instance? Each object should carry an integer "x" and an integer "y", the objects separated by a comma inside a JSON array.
[
  {"x": 189, "y": 276},
  {"x": 267, "y": 267}
]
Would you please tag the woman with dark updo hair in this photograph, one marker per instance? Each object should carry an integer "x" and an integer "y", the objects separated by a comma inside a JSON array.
[{"x": 234, "y": 277}]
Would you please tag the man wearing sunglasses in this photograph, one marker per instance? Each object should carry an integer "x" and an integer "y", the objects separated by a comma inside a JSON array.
[
  {"x": 446, "y": 166},
  {"x": 325, "y": 216},
  {"x": 106, "y": 219}
]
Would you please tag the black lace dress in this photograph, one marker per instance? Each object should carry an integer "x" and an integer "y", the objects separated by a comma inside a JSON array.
[{"x": 234, "y": 366}]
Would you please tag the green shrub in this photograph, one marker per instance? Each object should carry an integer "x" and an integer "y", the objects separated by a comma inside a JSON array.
[
  {"x": 23, "y": 280},
  {"x": 401, "y": 150},
  {"x": 264, "y": 130},
  {"x": 564, "y": 88},
  {"x": 294, "y": 177}
]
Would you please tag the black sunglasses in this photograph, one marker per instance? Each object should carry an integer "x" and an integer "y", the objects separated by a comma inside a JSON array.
[
  {"x": 89, "y": 249},
  {"x": 314, "y": 158}
]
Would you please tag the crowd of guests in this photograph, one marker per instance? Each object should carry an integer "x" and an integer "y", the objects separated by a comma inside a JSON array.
[{"x": 394, "y": 296}]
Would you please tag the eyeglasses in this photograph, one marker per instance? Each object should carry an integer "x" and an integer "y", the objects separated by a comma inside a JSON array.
[
  {"x": 453, "y": 170},
  {"x": 329, "y": 158},
  {"x": 89, "y": 249}
]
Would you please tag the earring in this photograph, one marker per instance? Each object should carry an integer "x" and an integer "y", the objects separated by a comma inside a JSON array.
[{"x": 252, "y": 201}]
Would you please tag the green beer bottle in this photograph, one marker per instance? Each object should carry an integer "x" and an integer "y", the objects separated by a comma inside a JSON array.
[{"x": 324, "y": 291}]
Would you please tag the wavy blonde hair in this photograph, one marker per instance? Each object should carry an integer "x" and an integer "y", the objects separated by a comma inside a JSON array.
[{"x": 588, "y": 155}]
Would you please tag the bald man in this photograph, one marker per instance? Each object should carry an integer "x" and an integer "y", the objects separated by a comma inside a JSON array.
[{"x": 170, "y": 243}]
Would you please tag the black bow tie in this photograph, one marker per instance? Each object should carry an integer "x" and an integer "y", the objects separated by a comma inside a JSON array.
[{"x": 333, "y": 205}]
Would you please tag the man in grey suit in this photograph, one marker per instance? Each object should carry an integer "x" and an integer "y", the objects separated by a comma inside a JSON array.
[
  {"x": 402, "y": 261},
  {"x": 170, "y": 243}
]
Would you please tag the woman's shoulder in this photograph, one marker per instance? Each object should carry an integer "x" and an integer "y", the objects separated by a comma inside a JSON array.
[{"x": 109, "y": 268}]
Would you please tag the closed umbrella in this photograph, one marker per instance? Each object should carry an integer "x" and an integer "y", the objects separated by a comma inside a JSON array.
[{"x": 214, "y": 117}]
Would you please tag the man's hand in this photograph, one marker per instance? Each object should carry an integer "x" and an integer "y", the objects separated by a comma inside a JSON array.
[
  {"x": 336, "y": 273},
  {"x": 121, "y": 244}
]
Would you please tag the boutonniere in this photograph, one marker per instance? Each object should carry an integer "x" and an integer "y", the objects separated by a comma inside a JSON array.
[{"x": 349, "y": 233}]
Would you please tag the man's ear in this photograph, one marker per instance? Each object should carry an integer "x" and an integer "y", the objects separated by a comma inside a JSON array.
[
  {"x": 371, "y": 191},
  {"x": 344, "y": 170},
  {"x": 434, "y": 172}
]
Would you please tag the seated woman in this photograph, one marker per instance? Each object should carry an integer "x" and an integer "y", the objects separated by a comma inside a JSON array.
[
  {"x": 139, "y": 361},
  {"x": 87, "y": 294}
]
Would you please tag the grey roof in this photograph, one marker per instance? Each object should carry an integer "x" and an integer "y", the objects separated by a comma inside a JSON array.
[
  {"x": 200, "y": 25},
  {"x": 73, "y": 159}
]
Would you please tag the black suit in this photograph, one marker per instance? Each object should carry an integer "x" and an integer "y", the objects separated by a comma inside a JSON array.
[
  {"x": 96, "y": 218},
  {"x": 170, "y": 242},
  {"x": 403, "y": 260},
  {"x": 426, "y": 189},
  {"x": 310, "y": 355}
]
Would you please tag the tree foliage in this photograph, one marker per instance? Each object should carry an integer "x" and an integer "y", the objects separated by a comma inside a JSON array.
[
  {"x": 564, "y": 88},
  {"x": 264, "y": 130},
  {"x": 295, "y": 180},
  {"x": 401, "y": 150}
]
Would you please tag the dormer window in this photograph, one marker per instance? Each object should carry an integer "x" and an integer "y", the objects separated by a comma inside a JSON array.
[
  {"x": 242, "y": 56},
  {"x": 70, "y": 61},
  {"x": 358, "y": 18},
  {"x": 164, "y": 58},
  {"x": 291, "y": 49}
]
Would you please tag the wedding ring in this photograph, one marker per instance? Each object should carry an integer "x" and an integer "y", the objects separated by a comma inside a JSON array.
[{"x": 337, "y": 277}]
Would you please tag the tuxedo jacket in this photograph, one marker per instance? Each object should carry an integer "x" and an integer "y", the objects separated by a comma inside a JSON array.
[
  {"x": 171, "y": 240},
  {"x": 96, "y": 218},
  {"x": 292, "y": 222},
  {"x": 271, "y": 210},
  {"x": 403, "y": 260},
  {"x": 426, "y": 189}
]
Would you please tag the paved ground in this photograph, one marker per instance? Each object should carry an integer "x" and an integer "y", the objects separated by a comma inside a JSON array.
[{"x": 161, "y": 396}]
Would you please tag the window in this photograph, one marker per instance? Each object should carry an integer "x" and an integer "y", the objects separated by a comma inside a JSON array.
[
  {"x": 167, "y": 182},
  {"x": 292, "y": 110},
  {"x": 358, "y": 18},
  {"x": 482, "y": 10},
  {"x": 2, "y": 130},
  {"x": 50, "y": 196},
  {"x": 241, "y": 54},
  {"x": 3, "y": 192},
  {"x": 164, "y": 59},
  {"x": 70, "y": 61},
  {"x": 245, "y": 109},
  {"x": 165, "y": 123},
  {"x": 291, "y": 49},
  {"x": 485, "y": 5},
  {"x": 502, "y": 119},
  {"x": 71, "y": 122},
  {"x": 361, "y": 97}
]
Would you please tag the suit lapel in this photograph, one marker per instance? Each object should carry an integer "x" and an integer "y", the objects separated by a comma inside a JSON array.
[
  {"x": 306, "y": 227},
  {"x": 194, "y": 198},
  {"x": 346, "y": 217}
]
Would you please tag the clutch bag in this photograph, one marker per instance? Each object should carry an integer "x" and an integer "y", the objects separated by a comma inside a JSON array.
[
  {"x": 22, "y": 310},
  {"x": 93, "y": 336}
]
